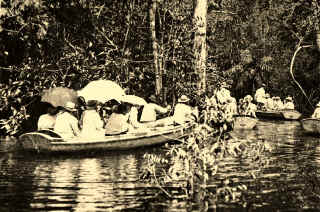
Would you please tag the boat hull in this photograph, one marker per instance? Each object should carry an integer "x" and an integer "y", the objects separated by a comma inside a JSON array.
[
  {"x": 244, "y": 122},
  {"x": 282, "y": 114},
  {"x": 42, "y": 142},
  {"x": 311, "y": 125},
  {"x": 291, "y": 114}
]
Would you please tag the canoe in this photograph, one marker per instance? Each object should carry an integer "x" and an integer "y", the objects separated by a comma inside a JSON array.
[
  {"x": 311, "y": 125},
  {"x": 291, "y": 114},
  {"x": 47, "y": 141},
  {"x": 281, "y": 114},
  {"x": 244, "y": 122}
]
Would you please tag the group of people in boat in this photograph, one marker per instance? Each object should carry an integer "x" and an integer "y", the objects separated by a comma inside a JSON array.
[
  {"x": 121, "y": 118},
  {"x": 247, "y": 105},
  {"x": 92, "y": 120},
  {"x": 222, "y": 98},
  {"x": 267, "y": 102}
]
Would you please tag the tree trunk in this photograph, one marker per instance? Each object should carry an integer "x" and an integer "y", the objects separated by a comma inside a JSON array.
[
  {"x": 200, "y": 46},
  {"x": 155, "y": 46},
  {"x": 318, "y": 38},
  {"x": 317, "y": 23}
]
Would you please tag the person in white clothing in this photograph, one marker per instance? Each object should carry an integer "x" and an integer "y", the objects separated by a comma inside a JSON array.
[
  {"x": 48, "y": 120},
  {"x": 183, "y": 112},
  {"x": 67, "y": 125},
  {"x": 150, "y": 110},
  {"x": 223, "y": 94},
  {"x": 260, "y": 97},
  {"x": 260, "y": 94},
  {"x": 133, "y": 116},
  {"x": 316, "y": 113},
  {"x": 268, "y": 105},
  {"x": 91, "y": 122},
  {"x": 278, "y": 104},
  {"x": 231, "y": 106},
  {"x": 250, "y": 108},
  {"x": 288, "y": 103}
]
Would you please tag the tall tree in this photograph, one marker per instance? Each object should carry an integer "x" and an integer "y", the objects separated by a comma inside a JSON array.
[
  {"x": 200, "y": 46},
  {"x": 155, "y": 47},
  {"x": 316, "y": 12}
]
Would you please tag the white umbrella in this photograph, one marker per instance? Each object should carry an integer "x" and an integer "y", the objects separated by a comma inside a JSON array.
[
  {"x": 134, "y": 100},
  {"x": 59, "y": 96},
  {"x": 102, "y": 91}
]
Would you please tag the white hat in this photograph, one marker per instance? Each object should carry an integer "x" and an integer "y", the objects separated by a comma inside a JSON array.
[
  {"x": 70, "y": 106},
  {"x": 289, "y": 98},
  {"x": 183, "y": 99},
  {"x": 248, "y": 98},
  {"x": 318, "y": 105},
  {"x": 225, "y": 85}
]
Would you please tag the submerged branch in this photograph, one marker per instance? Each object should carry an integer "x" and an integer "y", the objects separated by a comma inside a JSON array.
[{"x": 158, "y": 184}]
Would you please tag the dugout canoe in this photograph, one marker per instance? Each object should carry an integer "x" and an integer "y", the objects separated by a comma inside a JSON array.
[
  {"x": 244, "y": 122},
  {"x": 47, "y": 141},
  {"x": 287, "y": 114},
  {"x": 310, "y": 125}
]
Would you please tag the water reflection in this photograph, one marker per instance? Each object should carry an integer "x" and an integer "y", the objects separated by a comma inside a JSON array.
[
  {"x": 16, "y": 188},
  {"x": 87, "y": 184},
  {"x": 289, "y": 180},
  {"x": 56, "y": 184}
]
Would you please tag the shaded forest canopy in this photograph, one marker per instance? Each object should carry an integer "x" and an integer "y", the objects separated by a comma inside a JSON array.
[{"x": 45, "y": 43}]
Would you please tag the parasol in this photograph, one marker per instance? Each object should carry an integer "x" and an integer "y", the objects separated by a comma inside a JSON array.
[
  {"x": 58, "y": 96},
  {"x": 102, "y": 91},
  {"x": 134, "y": 100}
]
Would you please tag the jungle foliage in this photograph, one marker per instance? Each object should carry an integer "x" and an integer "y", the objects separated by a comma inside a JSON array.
[
  {"x": 186, "y": 171},
  {"x": 46, "y": 43}
]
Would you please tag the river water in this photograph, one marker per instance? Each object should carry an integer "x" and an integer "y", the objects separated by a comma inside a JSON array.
[{"x": 289, "y": 181}]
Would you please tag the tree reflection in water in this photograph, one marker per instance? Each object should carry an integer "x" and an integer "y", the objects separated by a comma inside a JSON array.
[
  {"x": 289, "y": 180},
  {"x": 56, "y": 184},
  {"x": 15, "y": 181},
  {"x": 87, "y": 184}
]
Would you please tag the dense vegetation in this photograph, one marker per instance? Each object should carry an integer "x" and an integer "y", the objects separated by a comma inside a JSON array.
[
  {"x": 186, "y": 171},
  {"x": 68, "y": 43},
  {"x": 45, "y": 43}
]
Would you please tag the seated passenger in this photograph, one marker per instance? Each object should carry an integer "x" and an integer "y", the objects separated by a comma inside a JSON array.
[
  {"x": 48, "y": 120},
  {"x": 288, "y": 103},
  {"x": 316, "y": 113},
  {"x": 108, "y": 108},
  {"x": 231, "y": 107},
  {"x": 91, "y": 123},
  {"x": 183, "y": 112},
  {"x": 277, "y": 105},
  {"x": 67, "y": 124},
  {"x": 268, "y": 105},
  {"x": 223, "y": 93},
  {"x": 133, "y": 116},
  {"x": 149, "y": 111},
  {"x": 251, "y": 108},
  {"x": 118, "y": 121},
  {"x": 259, "y": 96}
]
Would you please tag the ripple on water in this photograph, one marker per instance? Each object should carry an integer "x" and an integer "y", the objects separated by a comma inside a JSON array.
[{"x": 288, "y": 180}]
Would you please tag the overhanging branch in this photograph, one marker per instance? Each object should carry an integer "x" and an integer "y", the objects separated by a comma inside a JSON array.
[{"x": 291, "y": 70}]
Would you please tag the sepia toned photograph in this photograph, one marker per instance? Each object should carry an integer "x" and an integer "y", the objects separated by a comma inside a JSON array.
[{"x": 160, "y": 105}]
